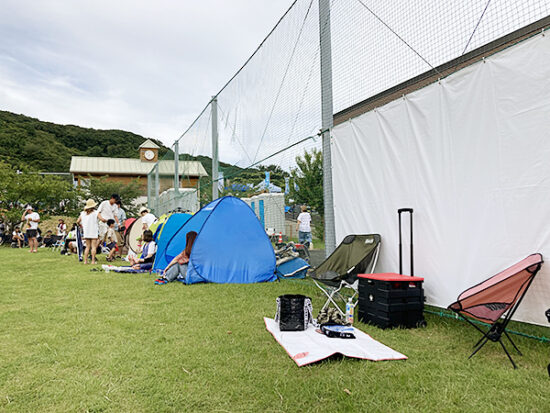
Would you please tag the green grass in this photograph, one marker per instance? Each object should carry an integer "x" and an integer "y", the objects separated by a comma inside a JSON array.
[{"x": 75, "y": 340}]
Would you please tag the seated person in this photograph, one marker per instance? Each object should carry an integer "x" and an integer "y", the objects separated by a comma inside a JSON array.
[
  {"x": 49, "y": 239},
  {"x": 61, "y": 229},
  {"x": 18, "y": 237},
  {"x": 70, "y": 242},
  {"x": 110, "y": 239},
  {"x": 147, "y": 257},
  {"x": 178, "y": 266}
]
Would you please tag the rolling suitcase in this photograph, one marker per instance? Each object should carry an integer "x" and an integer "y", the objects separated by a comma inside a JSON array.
[{"x": 393, "y": 300}]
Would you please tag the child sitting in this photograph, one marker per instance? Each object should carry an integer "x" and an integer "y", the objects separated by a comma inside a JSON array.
[
  {"x": 110, "y": 239},
  {"x": 147, "y": 257},
  {"x": 17, "y": 237}
]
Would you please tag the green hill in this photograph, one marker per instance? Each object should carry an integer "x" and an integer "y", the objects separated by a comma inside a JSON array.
[
  {"x": 29, "y": 143},
  {"x": 44, "y": 146}
]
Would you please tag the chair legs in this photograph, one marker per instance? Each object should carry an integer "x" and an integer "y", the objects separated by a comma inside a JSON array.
[
  {"x": 494, "y": 334},
  {"x": 513, "y": 344}
]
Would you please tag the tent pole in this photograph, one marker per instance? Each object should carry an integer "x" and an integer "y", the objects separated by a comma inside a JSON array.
[{"x": 327, "y": 123}]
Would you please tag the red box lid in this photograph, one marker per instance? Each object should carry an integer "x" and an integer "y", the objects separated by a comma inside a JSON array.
[{"x": 390, "y": 276}]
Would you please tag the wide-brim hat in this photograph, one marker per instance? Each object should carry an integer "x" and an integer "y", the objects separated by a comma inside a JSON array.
[
  {"x": 143, "y": 209},
  {"x": 90, "y": 203}
]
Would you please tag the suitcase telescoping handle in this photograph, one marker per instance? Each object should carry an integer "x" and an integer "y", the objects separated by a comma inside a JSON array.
[{"x": 410, "y": 211}]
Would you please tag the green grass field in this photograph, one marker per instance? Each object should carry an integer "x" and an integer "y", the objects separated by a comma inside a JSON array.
[{"x": 76, "y": 340}]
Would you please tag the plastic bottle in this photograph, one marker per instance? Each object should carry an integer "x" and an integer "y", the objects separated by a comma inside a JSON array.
[{"x": 349, "y": 311}]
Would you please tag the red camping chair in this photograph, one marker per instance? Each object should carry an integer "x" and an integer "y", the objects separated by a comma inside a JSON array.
[{"x": 495, "y": 300}]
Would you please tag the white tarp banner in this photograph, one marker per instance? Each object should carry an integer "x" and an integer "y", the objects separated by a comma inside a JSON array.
[{"x": 471, "y": 155}]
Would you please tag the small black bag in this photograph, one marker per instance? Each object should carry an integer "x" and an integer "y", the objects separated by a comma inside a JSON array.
[{"x": 294, "y": 312}]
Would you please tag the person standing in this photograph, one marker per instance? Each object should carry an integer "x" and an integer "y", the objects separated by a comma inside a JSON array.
[
  {"x": 303, "y": 226},
  {"x": 89, "y": 220},
  {"x": 32, "y": 219},
  {"x": 107, "y": 210},
  {"x": 146, "y": 218},
  {"x": 121, "y": 215}
]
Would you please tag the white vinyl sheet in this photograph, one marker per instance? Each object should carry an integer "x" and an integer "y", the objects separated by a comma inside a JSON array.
[{"x": 471, "y": 155}]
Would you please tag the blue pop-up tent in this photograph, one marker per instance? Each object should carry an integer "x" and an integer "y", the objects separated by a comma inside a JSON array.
[
  {"x": 164, "y": 234},
  {"x": 231, "y": 245}
]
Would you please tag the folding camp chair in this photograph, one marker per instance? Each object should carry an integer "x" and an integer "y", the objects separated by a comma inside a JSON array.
[
  {"x": 337, "y": 275},
  {"x": 495, "y": 300},
  {"x": 59, "y": 243}
]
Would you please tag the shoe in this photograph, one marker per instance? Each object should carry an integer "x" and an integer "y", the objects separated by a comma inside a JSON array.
[{"x": 161, "y": 281}]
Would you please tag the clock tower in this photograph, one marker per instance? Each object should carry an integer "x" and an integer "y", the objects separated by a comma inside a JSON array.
[{"x": 148, "y": 151}]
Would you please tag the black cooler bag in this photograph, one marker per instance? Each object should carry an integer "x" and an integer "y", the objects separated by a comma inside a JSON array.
[{"x": 294, "y": 312}]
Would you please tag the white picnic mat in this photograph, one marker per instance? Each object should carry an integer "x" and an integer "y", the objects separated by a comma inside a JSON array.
[{"x": 309, "y": 346}]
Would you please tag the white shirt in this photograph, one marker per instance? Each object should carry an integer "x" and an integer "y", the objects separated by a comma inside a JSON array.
[
  {"x": 152, "y": 248},
  {"x": 305, "y": 222},
  {"x": 30, "y": 220},
  {"x": 17, "y": 234},
  {"x": 107, "y": 210},
  {"x": 61, "y": 230},
  {"x": 148, "y": 219},
  {"x": 90, "y": 226}
]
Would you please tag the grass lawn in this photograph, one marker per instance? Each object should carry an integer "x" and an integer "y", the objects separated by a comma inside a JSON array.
[{"x": 75, "y": 340}]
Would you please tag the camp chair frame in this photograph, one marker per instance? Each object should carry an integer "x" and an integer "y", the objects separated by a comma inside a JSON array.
[
  {"x": 338, "y": 293},
  {"x": 58, "y": 244},
  {"x": 498, "y": 328}
]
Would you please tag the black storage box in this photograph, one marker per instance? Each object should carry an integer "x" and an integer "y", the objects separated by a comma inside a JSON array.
[{"x": 391, "y": 300}]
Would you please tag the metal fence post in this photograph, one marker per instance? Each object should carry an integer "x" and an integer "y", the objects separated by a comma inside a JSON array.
[
  {"x": 150, "y": 189},
  {"x": 214, "y": 108},
  {"x": 176, "y": 167},
  {"x": 327, "y": 122},
  {"x": 157, "y": 187}
]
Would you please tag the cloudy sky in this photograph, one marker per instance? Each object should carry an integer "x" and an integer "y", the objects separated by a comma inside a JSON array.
[{"x": 144, "y": 66}]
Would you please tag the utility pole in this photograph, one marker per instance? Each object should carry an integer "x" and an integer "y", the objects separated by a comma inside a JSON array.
[{"x": 327, "y": 123}]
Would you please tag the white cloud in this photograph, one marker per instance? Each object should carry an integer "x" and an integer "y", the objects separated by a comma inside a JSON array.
[{"x": 147, "y": 67}]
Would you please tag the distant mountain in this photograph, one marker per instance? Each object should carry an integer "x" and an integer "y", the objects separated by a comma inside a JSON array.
[{"x": 44, "y": 146}]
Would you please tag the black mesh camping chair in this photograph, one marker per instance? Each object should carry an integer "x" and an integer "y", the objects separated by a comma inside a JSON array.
[
  {"x": 356, "y": 254},
  {"x": 495, "y": 300}
]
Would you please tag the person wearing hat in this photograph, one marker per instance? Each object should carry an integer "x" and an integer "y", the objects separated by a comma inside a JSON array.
[
  {"x": 32, "y": 219},
  {"x": 90, "y": 228},
  {"x": 146, "y": 218}
]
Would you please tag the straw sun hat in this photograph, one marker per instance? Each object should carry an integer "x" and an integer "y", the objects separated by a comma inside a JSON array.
[{"x": 90, "y": 203}]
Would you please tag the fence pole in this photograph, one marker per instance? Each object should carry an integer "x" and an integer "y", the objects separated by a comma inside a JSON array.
[
  {"x": 176, "y": 167},
  {"x": 157, "y": 188},
  {"x": 214, "y": 108},
  {"x": 150, "y": 189},
  {"x": 327, "y": 122}
]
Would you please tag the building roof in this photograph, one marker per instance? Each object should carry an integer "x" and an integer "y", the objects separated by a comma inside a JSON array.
[
  {"x": 149, "y": 144},
  {"x": 130, "y": 166}
]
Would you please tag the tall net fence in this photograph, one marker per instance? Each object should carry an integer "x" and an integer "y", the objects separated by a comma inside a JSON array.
[{"x": 266, "y": 120}]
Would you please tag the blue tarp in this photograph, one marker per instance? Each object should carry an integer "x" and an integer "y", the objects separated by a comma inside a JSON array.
[
  {"x": 231, "y": 245},
  {"x": 168, "y": 229},
  {"x": 295, "y": 268}
]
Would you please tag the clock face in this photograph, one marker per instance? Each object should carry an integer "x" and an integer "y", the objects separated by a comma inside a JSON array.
[{"x": 149, "y": 154}]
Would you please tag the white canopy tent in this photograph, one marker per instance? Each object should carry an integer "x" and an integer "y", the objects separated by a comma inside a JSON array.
[{"x": 471, "y": 155}]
